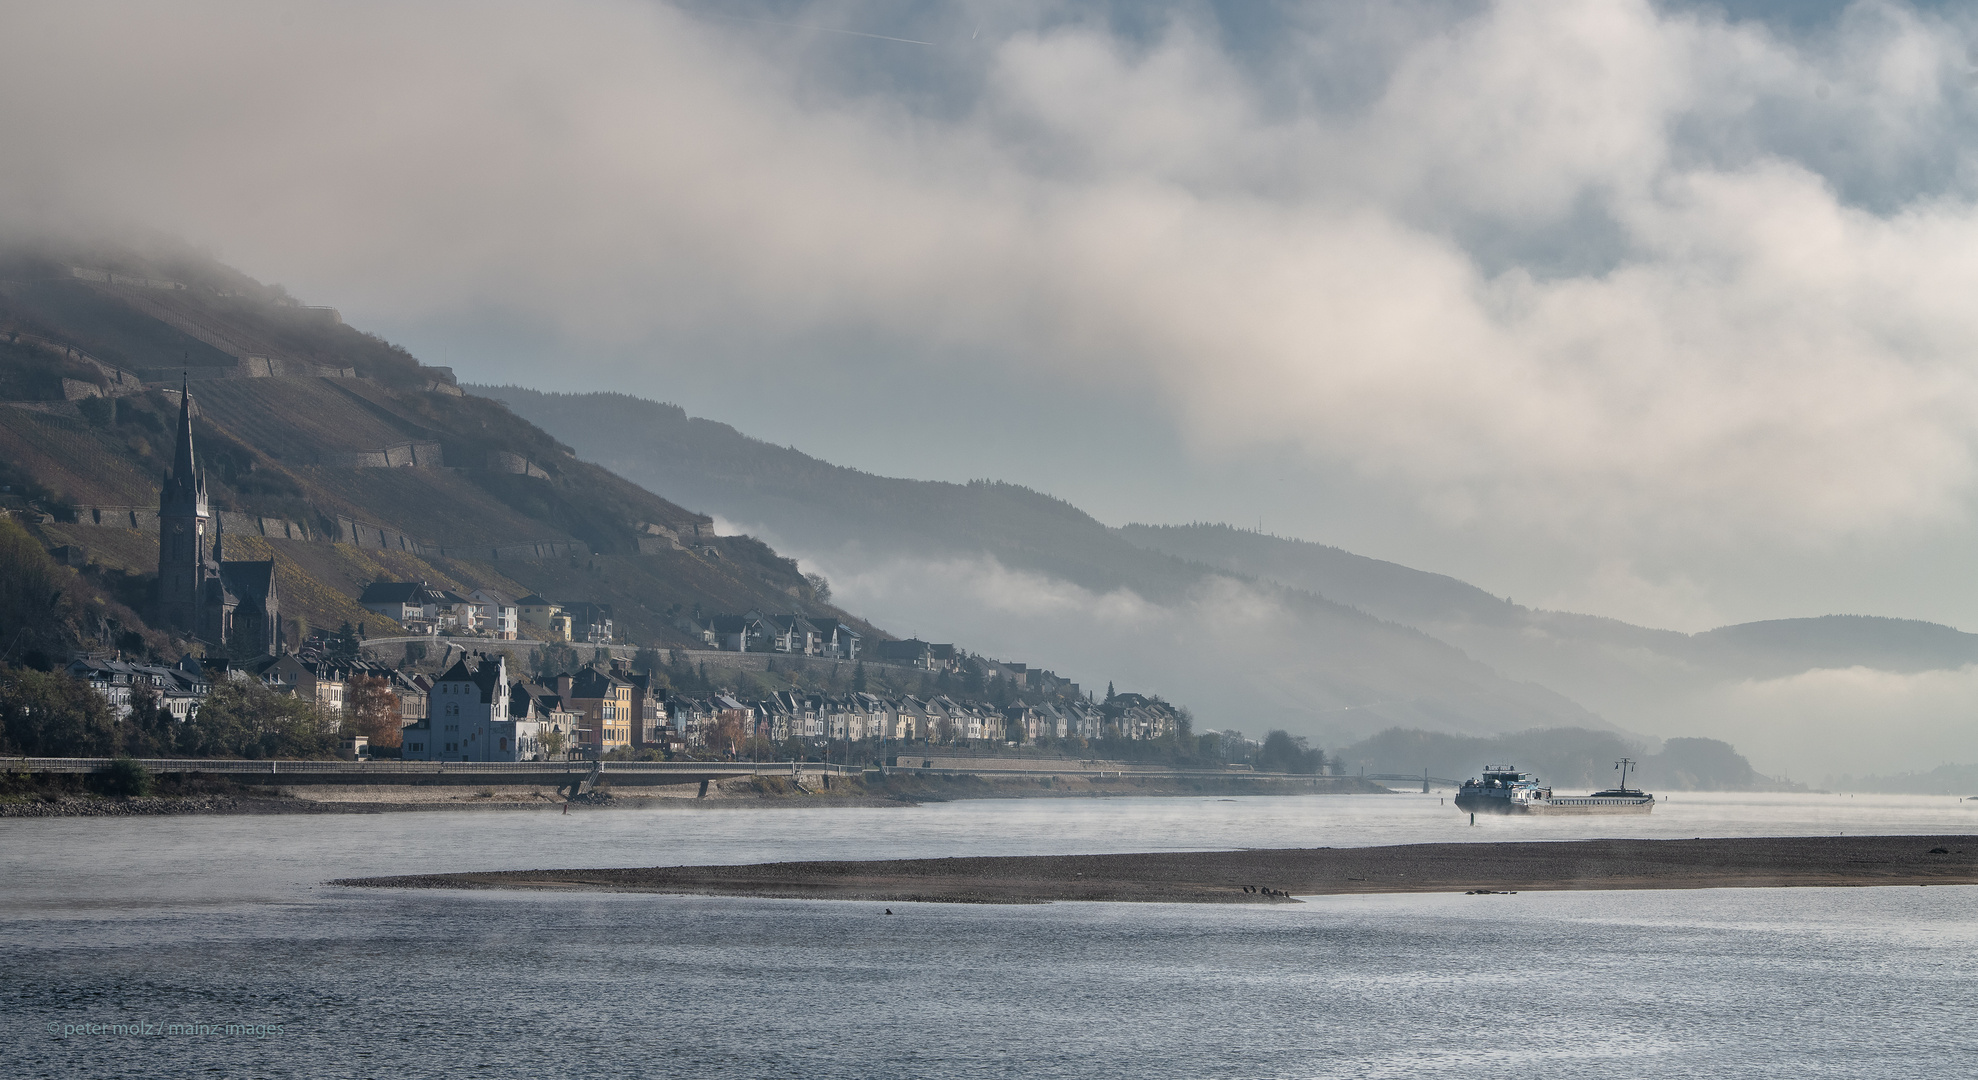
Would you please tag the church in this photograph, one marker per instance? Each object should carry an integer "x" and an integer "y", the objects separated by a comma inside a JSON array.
[{"x": 232, "y": 606}]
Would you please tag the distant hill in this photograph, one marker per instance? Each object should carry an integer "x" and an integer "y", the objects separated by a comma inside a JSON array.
[
  {"x": 1258, "y": 631},
  {"x": 313, "y": 432},
  {"x": 1245, "y": 653},
  {"x": 1539, "y": 644},
  {"x": 1569, "y": 758}
]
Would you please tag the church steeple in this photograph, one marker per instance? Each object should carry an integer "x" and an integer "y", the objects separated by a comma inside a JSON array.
[
  {"x": 184, "y": 488},
  {"x": 219, "y": 538},
  {"x": 182, "y": 516}
]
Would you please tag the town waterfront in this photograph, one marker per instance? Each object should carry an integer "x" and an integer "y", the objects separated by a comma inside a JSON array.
[{"x": 225, "y": 920}]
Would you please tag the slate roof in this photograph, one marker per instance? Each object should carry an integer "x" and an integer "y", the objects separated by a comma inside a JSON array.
[{"x": 394, "y": 592}]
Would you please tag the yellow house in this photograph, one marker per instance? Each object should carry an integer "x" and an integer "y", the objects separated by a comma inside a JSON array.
[
  {"x": 538, "y": 613},
  {"x": 606, "y": 703}
]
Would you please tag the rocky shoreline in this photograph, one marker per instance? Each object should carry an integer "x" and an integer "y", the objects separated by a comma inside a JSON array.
[
  {"x": 1278, "y": 876},
  {"x": 144, "y": 806},
  {"x": 165, "y": 806}
]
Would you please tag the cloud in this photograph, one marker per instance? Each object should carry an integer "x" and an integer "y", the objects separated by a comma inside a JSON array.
[
  {"x": 1247, "y": 662},
  {"x": 1633, "y": 277},
  {"x": 1843, "y": 720}
]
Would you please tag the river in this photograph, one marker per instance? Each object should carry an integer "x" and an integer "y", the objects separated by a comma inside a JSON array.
[{"x": 226, "y": 920}]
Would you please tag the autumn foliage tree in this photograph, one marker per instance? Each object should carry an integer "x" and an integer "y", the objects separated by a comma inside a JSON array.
[{"x": 374, "y": 710}]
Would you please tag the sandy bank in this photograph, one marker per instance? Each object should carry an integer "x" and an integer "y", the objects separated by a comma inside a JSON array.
[{"x": 1272, "y": 876}]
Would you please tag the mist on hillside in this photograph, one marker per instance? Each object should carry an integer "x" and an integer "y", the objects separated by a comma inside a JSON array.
[{"x": 1253, "y": 631}]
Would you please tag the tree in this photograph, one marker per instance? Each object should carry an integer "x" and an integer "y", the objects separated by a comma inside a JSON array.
[
  {"x": 375, "y": 710},
  {"x": 246, "y": 719},
  {"x": 553, "y": 742},
  {"x": 53, "y": 714},
  {"x": 37, "y": 611},
  {"x": 1283, "y": 752},
  {"x": 726, "y": 735},
  {"x": 344, "y": 645},
  {"x": 556, "y": 659},
  {"x": 148, "y": 730},
  {"x": 819, "y": 587},
  {"x": 1109, "y": 690},
  {"x": 858, "y": 677}
]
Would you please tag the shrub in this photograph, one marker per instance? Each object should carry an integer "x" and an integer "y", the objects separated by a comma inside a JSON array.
[{"x": 124, "y": 776}]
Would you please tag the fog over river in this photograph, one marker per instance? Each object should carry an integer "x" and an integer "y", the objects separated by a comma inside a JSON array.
[{"x": 219, "y": 920}]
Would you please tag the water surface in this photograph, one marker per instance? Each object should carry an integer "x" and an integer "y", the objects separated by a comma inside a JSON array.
[{"x": 226, "y": 919}]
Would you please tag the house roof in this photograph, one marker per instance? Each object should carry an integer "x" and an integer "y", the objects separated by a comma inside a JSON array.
[
  {"x": 394, "y": 592},
  {"x": 535, "y": 600},
  {"x": 589, "y": 682}
]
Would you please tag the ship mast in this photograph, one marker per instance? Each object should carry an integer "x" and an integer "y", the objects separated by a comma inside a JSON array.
[{"x": 1623, "y": 765}]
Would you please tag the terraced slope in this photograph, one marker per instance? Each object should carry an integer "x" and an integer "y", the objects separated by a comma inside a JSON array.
[{"x": 493, "y": 501}]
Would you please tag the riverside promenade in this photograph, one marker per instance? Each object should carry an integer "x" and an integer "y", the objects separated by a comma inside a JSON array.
[{"x": 646, "y": 773}]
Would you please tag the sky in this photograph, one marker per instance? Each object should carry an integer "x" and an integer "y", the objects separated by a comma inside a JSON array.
[{"x": 1657, "y": 311}]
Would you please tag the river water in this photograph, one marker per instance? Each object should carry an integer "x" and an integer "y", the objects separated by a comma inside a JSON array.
[{"x": 226, "y": 920}]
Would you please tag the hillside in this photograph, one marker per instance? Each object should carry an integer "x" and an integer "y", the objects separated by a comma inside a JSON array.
[
  {"x": 1245, "y": 653},
  {"x": 326, "y": 449},
  {"x": 1806, "y": 694},
  {"x": 1258, "y": 631},
  {"x": 1545, "y": 644}
]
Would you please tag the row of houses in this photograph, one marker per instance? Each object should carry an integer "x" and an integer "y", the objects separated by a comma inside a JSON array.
[
  {"x": 803, "y": 635},
  {"x": 697, "y": 721},
  {"x": 754, "y": 631},
  {"x": 180, "y": 688},
  {"x": 424, "y": 608},
  {"x": 478, "y": 712}
]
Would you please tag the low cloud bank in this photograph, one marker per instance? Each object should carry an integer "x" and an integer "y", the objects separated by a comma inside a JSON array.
[
  {"x": 1833, "y": 722},
  {"x": 1636, "y": 274}
]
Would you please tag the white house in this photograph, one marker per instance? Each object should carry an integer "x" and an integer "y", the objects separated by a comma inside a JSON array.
[
  {"x": 468, "y": 718},
  {"x": 495, "y": 614}
]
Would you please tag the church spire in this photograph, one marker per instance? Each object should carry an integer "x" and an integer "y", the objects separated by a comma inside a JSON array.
[
  {"x": 219, "y": 536},
  {"x": 184, "y": 488}
]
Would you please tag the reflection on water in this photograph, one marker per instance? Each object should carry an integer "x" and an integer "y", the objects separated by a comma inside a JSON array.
[{"x": 225, "y": 919}]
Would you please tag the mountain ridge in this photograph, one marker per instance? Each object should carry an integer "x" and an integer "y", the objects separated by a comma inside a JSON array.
[{"x": 911, "y": 541}]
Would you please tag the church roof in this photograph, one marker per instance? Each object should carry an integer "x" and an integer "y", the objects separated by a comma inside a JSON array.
[{"x": 253, "y": 580}]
